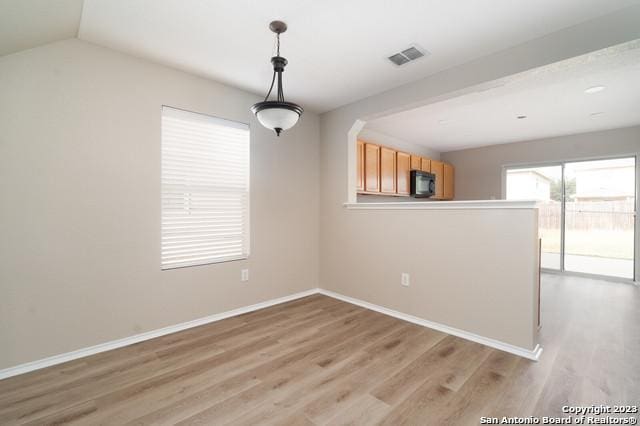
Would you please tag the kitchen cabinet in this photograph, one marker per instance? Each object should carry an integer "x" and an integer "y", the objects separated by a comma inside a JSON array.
[
  {"x": 448, "y": 190},
  {"x": 387, "y": 170},
  {"x": 371, "y": 168},
  {"x": 437, "y": 168},
  {"x": 416, "y": 162},
  {"x": 403, "y": 171},
  {"x": 425, "y": 165},
  {"x": 360, "y": 171}
]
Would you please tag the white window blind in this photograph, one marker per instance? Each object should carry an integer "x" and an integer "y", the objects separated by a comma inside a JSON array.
[{"x": 205, "y": 189}]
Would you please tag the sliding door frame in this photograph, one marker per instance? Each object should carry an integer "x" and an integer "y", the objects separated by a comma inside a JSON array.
[{"x": 562, "y": 163}]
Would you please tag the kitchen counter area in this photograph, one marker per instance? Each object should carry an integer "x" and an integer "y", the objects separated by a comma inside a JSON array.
[{"x": 444, "y": 205}]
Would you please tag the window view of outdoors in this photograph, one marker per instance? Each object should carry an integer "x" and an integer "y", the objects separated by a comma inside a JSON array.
[
  {"x": 545, "y": 185},
  {"x": 599, "y": 213},
  {"x": 599, "y": 217}
]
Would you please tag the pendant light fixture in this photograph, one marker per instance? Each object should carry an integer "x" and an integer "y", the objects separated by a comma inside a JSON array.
[{"x": 277, "y": 115}]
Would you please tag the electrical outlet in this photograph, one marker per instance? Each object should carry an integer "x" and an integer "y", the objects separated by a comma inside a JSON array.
[
  {"x": 244, "y": 275},
  {"x": 404, "y": 279}
]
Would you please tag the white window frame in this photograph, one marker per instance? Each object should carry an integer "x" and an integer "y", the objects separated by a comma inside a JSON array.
[{"x": 170, "y": 190}]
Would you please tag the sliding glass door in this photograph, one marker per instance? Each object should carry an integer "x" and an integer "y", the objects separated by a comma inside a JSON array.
[
  {"x": 587, "y": 213},
  {"x": 599, "y": 217}
]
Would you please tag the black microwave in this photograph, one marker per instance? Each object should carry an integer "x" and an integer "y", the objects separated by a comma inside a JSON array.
[{"x": 423, "y": 184}]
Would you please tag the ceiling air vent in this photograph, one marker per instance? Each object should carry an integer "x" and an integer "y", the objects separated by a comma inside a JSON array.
[
  {"x": 399, "y": 59},
  {"x": 407, "y": 55}
]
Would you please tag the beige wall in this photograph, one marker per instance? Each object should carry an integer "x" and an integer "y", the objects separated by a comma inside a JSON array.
[
  {"x": 439, "y": 243},
  {"x": 479, "y": 170},
  {"x": 80, "y": 217},
  {"x": 473, "y": 269},
  {"x": 399, "y": 144},
  {"x": 80, "y": 209}
]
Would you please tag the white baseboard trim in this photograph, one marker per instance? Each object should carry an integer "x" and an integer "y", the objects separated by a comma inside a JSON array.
[
  {"x": 532, "y": 354},
  {"x": 115, "y": 344}
]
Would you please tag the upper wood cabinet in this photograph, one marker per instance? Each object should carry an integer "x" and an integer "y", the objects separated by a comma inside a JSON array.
[
  {"x": 448, "y": 181},
  {"x": 403, "y": 171},
  {"x": 387, "y": 170},
  {"x": 425, "y": 164},
  {"x": 371, "y": 167},
  {"x": 360, "y": 171},
  {"x": 437, "y": 168},
  {"x": 416, "y": 162},
  {"x": 382, "y": 170}
]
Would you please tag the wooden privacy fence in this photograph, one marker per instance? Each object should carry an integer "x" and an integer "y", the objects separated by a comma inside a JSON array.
[{"x": 589, "y": 215}]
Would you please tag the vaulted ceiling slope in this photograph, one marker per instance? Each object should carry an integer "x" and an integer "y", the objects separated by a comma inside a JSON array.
[
  {"x": 25, "y": 24},
  {"x": 336, "y": 49}
]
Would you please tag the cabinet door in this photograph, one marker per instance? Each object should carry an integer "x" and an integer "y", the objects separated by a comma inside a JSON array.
[
  {"x": 371, "y": 168},
  {"x": 448, "y": 182},
  {"x": 403, "y": 169},
  {"x": 416, "y": 162},
  {"x": 360, "y": 156},
  {"x": 437, "y": 168},
  {"x": 425, "y": 165},
  {"x": 387, "y": 170}
]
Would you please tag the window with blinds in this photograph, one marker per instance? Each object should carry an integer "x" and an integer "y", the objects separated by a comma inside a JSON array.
[{"x": 205, "y": 189}]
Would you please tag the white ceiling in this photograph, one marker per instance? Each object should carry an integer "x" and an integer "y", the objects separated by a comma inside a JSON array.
[
  {"x": 552, "y": 98},
  {"x": 336, "y": 48},
  {"x": 29, "y": 23}
]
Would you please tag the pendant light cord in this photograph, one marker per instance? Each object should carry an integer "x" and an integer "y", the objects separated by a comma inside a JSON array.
[
  {"x": 280, "y": 91},
  {"x": 280, "y": 95}
]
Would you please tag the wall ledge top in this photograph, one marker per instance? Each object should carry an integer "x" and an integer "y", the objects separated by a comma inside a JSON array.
[{"x": 445, "y": 205}]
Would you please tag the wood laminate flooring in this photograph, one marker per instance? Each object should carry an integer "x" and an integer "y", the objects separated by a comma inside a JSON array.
[{"x": 317, "y": 361}]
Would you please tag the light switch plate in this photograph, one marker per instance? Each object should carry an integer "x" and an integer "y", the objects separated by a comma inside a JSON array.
[
  {"x": 404, "y": 279},
  {"x": 244, "y": 275}
]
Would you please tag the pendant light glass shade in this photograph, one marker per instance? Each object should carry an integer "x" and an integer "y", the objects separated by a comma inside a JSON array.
[{"x": 277, "y": 115}]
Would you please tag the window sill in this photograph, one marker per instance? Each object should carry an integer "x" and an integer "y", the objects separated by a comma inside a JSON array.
[{"x": 209, "y": 262}]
